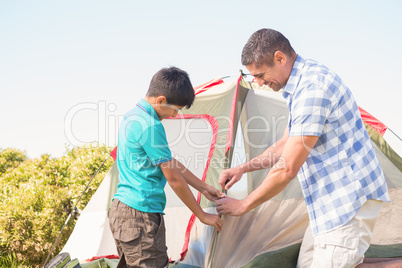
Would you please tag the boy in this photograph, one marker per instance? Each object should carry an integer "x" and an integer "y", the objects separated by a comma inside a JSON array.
[{"x": 145, "y": 164}]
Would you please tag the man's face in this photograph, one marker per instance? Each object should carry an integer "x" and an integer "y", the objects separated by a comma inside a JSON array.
[{"x": 274, "y": 76}]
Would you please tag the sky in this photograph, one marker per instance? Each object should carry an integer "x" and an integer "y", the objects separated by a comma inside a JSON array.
[{"x": 70, "y": 69}]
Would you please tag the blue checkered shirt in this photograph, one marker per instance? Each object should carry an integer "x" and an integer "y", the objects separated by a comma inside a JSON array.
[{"x": 342, "y": 170}]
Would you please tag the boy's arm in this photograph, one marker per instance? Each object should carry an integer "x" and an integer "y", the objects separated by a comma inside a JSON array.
[
  {"x": 207, "y": 190},
  {"x": 180, "y": 187}
]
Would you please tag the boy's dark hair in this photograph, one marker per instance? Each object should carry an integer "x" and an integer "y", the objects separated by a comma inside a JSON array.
[{"x": 174, "y": 84}]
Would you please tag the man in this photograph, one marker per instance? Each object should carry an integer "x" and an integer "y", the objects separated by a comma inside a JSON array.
[{"x": 325, "y": 144}]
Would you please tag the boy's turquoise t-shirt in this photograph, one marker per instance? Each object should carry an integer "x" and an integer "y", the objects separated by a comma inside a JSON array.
[{"x": 142, "y": 146}]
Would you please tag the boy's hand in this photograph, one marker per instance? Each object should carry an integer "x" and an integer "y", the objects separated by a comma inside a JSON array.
[
  {"x": 213, "y": 220},
  {"x": 213, "y": 194}
]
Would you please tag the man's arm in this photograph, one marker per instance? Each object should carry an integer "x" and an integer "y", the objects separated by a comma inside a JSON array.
[
  {"x": 208, "y": 191},
  {"x": 294, "y": 154},
  {"x": 265, "y": 160},
  {"x": 180, "y": 187},
  {"x": 268, "y": 158}
]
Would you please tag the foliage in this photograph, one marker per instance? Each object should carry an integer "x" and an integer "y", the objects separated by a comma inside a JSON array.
[
  {"x": 10, "y": 158},
  {"x": 38, "y": 195}
]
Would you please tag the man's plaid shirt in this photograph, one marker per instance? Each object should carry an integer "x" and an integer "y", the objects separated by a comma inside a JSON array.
[{"x": 342, "y": 170}]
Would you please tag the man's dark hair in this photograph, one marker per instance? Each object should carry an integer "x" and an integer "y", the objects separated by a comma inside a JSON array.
[
  {"x": 174, "y": 84},
  {"x": 262, "y": 45}
]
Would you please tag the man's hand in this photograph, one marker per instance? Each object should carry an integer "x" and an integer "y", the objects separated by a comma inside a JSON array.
[
  {"x": 213, "y": 220},
  {"x": 230, "y": 206},
  {"x": 213, "y": 194},
  {"x": 229, "y": 177}
]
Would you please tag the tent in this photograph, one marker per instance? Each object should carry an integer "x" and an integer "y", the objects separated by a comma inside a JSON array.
[{"x": 231, "y": 122}]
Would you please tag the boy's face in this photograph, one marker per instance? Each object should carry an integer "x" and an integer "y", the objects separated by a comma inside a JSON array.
[{"x": 164, "y": 109}]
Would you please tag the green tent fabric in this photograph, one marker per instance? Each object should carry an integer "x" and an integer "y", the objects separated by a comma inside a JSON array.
[{"x": 101, "y": 263}]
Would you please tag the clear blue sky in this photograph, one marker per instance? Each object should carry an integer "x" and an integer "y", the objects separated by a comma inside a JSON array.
[{"x": 69, "y": 69}]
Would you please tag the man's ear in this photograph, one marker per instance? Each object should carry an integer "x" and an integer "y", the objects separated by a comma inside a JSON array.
[{"x": 280, "y": 58}]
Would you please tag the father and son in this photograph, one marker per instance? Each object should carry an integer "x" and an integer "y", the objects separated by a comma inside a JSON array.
[{"x": 325, "y": 144}]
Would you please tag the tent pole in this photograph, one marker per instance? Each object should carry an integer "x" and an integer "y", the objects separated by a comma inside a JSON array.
[
  {"x": 229, "y": 151},
  {"x": 215, "y": 240},
  {"x": 395, "y": 134}
]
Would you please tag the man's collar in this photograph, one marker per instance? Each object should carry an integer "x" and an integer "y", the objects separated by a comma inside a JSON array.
[{"x": 294, "y": 77}]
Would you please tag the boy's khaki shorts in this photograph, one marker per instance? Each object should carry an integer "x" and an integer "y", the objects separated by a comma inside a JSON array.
[
  {"x": 344, "y": 246},
  {"x": 139, "y": 236}
]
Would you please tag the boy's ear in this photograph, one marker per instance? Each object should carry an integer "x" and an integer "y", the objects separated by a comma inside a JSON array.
[{"x": 160, "y": 100}]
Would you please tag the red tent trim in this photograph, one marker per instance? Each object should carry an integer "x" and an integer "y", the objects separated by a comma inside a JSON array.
[
  {"x": 204, "y": 87},
  {"x": 102, "y": 257},
  {"x": 232, "y": 115},
  {"x": 214, "y": 124},
  {"x": 376, "y": 124},
  {"x": 113, "y": 153}
]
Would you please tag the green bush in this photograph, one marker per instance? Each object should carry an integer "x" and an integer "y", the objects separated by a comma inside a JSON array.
[
  {"x": 38, "y": 195},
  {"x": 10, "y": 158}
]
